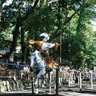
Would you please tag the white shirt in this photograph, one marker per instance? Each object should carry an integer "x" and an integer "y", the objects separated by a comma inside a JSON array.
[{"x": 46, "y": 46}]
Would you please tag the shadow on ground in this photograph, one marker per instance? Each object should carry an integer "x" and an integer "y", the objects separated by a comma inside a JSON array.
[
  {"x": 89, "y": 92},
  {"x": 27, "y": 94}
]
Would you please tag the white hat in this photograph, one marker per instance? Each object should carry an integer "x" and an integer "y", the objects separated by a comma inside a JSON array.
[{"x": 45, "y": 35}]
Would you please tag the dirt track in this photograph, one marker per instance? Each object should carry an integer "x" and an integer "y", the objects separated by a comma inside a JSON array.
[{"x": 62, "y": 93}]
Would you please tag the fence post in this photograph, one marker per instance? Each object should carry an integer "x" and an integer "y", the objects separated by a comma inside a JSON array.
[
  {"x": 69, "y": 80},
  {"x": 32, "y": 84},
  {"x": 91, "y": 79},
  {"x": 49, "y": 77},
  {"x": 57, "y": 81},
  {"x": 80, "y": 81}
]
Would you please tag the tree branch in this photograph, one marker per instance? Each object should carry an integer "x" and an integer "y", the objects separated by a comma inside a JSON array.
[{"x": 68, "y": 19}]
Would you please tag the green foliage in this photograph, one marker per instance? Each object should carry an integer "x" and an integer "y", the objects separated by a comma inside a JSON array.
[{"x": 68, "y": 18}]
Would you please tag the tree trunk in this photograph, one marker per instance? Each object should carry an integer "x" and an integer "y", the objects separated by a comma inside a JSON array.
[
  {"x": 23, "y": 46},
  {"x": 16, "y": 30},
  {"x": 14, "y": 42},
  {"x": 0, "y": 10}
]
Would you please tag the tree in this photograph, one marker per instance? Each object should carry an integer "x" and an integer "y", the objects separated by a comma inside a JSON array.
[
  {"x": 65, "y": 20},
  {"x": 19, "y": 20}
]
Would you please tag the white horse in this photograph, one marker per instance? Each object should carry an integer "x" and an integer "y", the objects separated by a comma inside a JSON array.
[{"x": 37, "y": 65}]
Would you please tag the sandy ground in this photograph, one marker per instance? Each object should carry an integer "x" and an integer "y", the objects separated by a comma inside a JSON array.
[{"x": 63, "y": 93}]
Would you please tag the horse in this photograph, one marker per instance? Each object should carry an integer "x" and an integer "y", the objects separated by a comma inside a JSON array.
[{"x": 40, "y": 65}]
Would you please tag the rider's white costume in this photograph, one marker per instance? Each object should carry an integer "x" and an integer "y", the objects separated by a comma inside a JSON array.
[{"x": 37, "y": 55}]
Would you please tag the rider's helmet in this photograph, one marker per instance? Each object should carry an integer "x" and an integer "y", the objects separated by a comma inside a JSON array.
[{"x": 45, "y": 35}]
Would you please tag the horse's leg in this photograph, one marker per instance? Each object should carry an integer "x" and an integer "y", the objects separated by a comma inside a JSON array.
[
  {"x": 42, "y": 70},
  {"x": 34, "y": 77},
  {"x": 32, "y": 57}
]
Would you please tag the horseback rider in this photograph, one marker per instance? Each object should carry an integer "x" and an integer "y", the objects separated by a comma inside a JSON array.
[{"x": 42, "y": 57}]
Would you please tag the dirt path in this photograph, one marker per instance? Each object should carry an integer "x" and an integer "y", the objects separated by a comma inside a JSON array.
[
  {"x": 63, "y": 93},
  {"x": 76, "y": 94}
]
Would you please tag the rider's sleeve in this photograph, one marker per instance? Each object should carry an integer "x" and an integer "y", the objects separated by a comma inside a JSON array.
[
  {"x": 51, "y": 45},
  {"x": 46, "y": 46}
]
